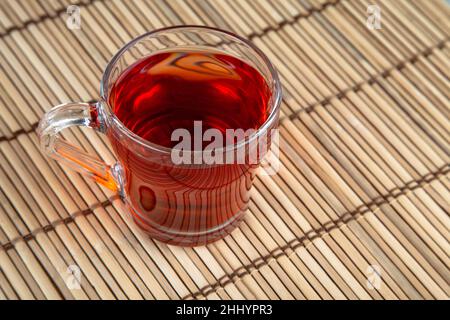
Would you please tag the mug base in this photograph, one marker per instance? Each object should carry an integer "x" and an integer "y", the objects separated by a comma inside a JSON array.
[{"x": 187, "y": 239}]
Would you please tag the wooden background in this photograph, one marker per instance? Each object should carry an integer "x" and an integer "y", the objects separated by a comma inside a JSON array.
[{"x": 364, "y": 150}]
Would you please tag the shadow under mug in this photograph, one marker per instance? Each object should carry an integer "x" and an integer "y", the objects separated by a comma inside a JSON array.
[{"x": 179, "y": 204}]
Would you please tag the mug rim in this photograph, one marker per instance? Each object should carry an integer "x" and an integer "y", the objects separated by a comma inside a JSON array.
[{"x": 276, "y": 88}]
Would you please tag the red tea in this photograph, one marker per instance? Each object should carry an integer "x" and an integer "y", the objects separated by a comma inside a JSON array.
[{"x": 171, "y": 90}]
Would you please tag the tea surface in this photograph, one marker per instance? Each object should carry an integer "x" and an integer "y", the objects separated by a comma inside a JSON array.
[{"x": 171, "y": 90}]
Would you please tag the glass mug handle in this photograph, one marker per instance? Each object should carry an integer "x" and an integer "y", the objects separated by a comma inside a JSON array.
[{"x": 80, "y": 115}]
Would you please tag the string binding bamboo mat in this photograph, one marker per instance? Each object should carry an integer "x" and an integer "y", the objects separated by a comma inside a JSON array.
[{"x": 360, "y": 206}]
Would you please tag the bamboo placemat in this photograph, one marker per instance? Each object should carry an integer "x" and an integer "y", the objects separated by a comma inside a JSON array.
[{"x": 364, "y": 152}]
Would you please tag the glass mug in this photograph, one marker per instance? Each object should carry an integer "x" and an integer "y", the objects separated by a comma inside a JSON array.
[{"x": 181, "y": 204}]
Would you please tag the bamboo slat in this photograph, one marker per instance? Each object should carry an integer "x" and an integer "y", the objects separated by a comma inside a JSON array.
[{"x": 363, "y": 180}]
